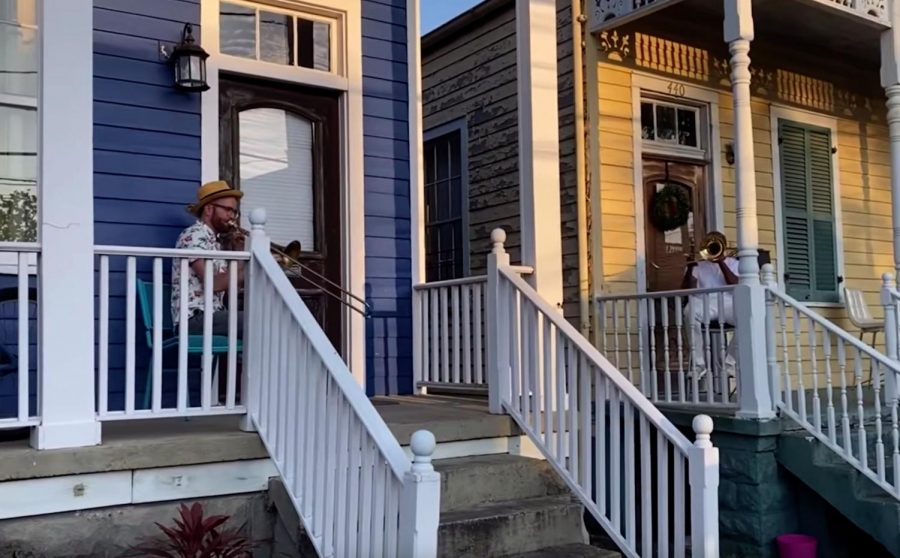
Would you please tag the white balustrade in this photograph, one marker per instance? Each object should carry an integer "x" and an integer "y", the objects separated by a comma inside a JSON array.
[
  {"x": 639, "y": 476},
  {"x": 609, "y": 13},
  {"x": 835, "y": 386},
  {"x": 18, "y": 340},
  {"x": 148, "y": 367},
  {"x": 348, "y": 478},
  {"x": 448, "y": 325},
  {"x": 675, "y": 345}
]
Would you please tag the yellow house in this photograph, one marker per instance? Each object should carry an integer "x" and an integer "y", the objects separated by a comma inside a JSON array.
[{"x": 668, "y": 120}]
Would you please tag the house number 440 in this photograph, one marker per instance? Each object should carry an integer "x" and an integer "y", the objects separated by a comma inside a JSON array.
[{"x": 676, "y": 89}]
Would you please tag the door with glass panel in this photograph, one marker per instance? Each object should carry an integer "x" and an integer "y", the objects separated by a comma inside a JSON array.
[{"x": 280, "y": 146}]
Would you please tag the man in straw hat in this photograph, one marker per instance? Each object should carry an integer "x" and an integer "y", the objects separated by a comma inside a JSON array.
[{"x": 216, "y": 210}]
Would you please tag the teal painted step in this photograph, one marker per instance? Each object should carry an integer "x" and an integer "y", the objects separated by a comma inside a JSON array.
[{"x": 851, "y": 493}]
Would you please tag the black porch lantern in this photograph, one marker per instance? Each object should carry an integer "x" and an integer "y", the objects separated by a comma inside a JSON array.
[{"x": 189, "y": 60}]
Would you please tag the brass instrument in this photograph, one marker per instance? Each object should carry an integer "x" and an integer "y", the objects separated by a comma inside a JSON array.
[
  {"x": 714, "y": 248},
  {"x": 288, "y": 257}
]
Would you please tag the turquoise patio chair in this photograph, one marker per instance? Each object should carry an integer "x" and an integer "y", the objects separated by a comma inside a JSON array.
[{"x": 170, "y": 334}]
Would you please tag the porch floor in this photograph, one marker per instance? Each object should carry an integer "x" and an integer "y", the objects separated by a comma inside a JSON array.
[{"x": 145, "y": 444}]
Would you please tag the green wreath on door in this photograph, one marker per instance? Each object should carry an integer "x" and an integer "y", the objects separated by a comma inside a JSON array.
[{"x": 670, "y": 208}]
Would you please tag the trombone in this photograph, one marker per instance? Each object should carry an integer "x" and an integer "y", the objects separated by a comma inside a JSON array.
[
  {"x": 714, "y": 248},
  {"x": 288, "y": 257}
]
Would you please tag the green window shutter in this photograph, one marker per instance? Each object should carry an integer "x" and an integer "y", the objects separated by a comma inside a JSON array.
[{"x": 808, "y": 212}]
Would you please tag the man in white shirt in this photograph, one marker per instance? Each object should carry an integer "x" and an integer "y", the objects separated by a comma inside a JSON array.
[{"x": 720, "y": 272}]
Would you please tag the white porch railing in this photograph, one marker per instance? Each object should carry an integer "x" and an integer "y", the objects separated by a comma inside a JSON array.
[
  {"x": 610, "y": 13},
  {"x": 652, "y": 490},
  {"x": 350, "y": 482},
  {"x": 448, "y": 345},
  {"x": 835, "y": 386},
  {"x": 18, "y": 335},
  {"x": 675, "y": 345},
  {"x": 135, "y": 318}
]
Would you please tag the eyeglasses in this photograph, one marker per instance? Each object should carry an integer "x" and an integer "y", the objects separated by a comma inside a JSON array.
[{"x": 230, "y": 210}]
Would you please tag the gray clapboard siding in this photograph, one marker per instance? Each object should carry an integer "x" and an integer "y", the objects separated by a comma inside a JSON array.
[{"x": 469, "y": 71}]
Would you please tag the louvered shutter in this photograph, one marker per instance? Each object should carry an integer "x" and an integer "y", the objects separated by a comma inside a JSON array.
[{"x": 808, "y": 212}]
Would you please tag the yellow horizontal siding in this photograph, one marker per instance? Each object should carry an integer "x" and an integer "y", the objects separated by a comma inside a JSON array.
[{"x": 864, "y": 183}]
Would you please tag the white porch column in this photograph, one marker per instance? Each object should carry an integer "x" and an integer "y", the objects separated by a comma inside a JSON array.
[
  {"x": 66, "y": 179},
  {"x": 539, "y": 145},
  {"x": 754, "y": 391},
  {"x": 890, "y": 80},
  {"x": 738, "y": 34}
]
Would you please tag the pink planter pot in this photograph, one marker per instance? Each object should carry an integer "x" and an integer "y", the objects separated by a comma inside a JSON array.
[{"x": 794, "y": 545}]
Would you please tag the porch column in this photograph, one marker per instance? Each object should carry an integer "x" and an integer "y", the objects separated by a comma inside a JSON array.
[
  {"x": 890, "y": 80},
  {"x": 738, "y": 34},
  {"x": 66, "y": 268},
  {"x": 541, "y": 230},
  {"x": 754, "y": 400}
]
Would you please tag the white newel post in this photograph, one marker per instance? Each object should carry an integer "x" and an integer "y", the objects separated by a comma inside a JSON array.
[
  {"x": 754, "y": 393},
  {"x": 258, "y": 242},
  {"x": 538, "y": 120},
  {"x": 66, "y": 177},
  {"x": 421, "y": 501},
  {"x": 496, "y": 322},
  {"x": 890, "y": 80},
  {"x": 703, "y": 465},
  {"x": 890, "y": 334}
]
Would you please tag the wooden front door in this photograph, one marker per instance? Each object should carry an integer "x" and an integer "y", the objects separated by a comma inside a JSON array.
[
  {"x": 667, "y": 251},
  {"x": 280, "y": 146}
]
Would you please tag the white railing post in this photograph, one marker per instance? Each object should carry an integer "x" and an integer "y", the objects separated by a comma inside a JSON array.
[
  {"x": 703, "y": 465},
  {"x": 754, "y": 391},
  {"x": 66, "y": 386},
  {"x": 497, "y": 343},
  {"x": 770, "y": 281},
  {"x": 890, "y": 334},
  {"x": 418, "y": 340},
  {"x": 420, "y": 500},
  {"x": 250, "y": 371}
]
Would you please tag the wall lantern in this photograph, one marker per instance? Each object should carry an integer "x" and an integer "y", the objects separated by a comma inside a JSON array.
[
  {"x": 189, "y": 60},
  {"x": 729, "y": 153}
]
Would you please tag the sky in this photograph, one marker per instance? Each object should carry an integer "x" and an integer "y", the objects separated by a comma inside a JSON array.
[{"x": 436, "y": 12}]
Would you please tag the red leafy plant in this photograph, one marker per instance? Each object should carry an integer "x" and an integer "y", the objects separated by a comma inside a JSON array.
[{"x": 195, "y": 536}]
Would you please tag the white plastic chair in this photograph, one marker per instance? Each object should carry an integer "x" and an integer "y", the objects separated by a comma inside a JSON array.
[{"x": 860, "y": 316}]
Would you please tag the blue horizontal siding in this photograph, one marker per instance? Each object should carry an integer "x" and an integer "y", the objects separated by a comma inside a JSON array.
[{"x": 387, "y": 209}]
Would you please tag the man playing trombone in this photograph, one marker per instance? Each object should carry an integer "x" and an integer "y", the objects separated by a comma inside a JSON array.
[
  {"x": 716, "y": 268},
  {"x": 216, "y": 210}
]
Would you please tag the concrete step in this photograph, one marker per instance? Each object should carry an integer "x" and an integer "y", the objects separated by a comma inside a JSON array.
[
  {"x": 510, "y": 527},
  {"x": 570, "y": 551},
  {"x": 471, "y": 481}
]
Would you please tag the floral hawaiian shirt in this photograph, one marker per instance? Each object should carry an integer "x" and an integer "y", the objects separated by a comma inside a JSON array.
[{"x": 198, "y": 236}]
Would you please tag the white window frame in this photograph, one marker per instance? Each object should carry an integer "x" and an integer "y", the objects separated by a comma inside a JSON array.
[
  {"x": 673, "y": 147},
  {"x": 349, "y": 81},
  {"x": 9, "y": 259},
  {"x": 779, "y": 112},
  {"x": 337, "y": 41},
  {"x": 709, "y": 135}
]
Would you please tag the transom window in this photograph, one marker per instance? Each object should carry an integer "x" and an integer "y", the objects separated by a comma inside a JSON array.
[
  {"x": 279, "y": 37},
  {"x": 669, "y": 123}
]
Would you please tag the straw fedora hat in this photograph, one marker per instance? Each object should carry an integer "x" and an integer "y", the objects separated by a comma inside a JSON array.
[{"x": 212, "y": 191}]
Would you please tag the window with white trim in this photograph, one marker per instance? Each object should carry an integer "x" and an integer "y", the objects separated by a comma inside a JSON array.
[
  {"x": 265, "y": 33},
  {"x": 18, "y": 120},
  {"x": 670, "y": 123}
]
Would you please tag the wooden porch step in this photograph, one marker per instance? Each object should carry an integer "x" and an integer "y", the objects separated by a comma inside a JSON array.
[{"x": 570, "y": 551}]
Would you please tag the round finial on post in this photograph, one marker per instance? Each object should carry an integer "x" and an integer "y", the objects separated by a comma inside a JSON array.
[
  {"x": 422, "y": 443},
  {"x": 768, "y": 275},
  {"x": 887, "y": 279},
  {"x": 703, "y": 427},
  {"x": 258, "y": 218},
  {"x": 498, "y": 239}
]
